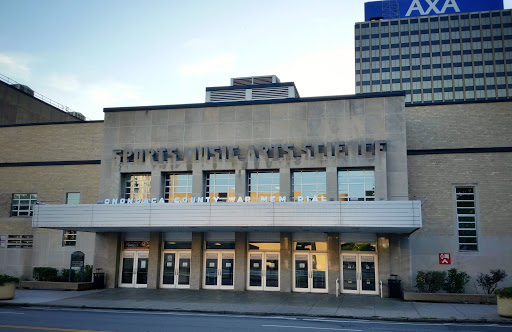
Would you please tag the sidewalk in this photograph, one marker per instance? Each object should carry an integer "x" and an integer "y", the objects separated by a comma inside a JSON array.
[{"x": 260, "y": 303}]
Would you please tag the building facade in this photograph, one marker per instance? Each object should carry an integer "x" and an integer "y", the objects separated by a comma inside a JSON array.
[{"x": 436, "y": 55}]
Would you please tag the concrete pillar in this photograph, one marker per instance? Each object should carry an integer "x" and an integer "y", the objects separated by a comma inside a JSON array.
[
  {"x": 240, "y": 183},
  {"x": 240, "y": 260},
  {"x": 384, "y": 261},
  {"x": 285, "y": 188},
  {"x": 156, "y": 184},
  {"x": 106, "y": 256},
  {"x": 333, "y": 260},
  {"x": 331, "y": 174},
  {"x": 197, "y": 183},
  {"x": 381, "y": 177},
  {"x": 155, "y": 246},
  {"x": 196, "y": 264},
  {"x": 286, "y": 261},
  {"x": 406, "y": 270}
]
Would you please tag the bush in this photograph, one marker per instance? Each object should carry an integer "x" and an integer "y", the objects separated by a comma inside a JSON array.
[
  {"x": 504, "y": 292},
  {"x": 430, "y": 281},
  {"x": 75, "y": 274},
  {"x": 5, "y": 279},
  {"x": 44, "y": 273},
  {"x": 490, "y": 282},
  {"x": 456, "y": 281}
]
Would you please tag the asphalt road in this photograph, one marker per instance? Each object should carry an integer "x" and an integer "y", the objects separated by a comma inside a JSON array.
[{"x": 19, "y": 319}]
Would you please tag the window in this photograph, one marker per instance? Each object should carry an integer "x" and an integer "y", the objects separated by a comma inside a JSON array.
[
  {"x": 23, "y": 204},
  {"x": 69, "y": 238},
  {"x": 20, "y": 241},
  {"x": 178, "y": 187},
  {"x": 263, "y": 184},
  {"x": 466, "y": 218},
  {"x": 309, "y": 184},
  {"x": 220, "y": 185},
  {"x": 137, "y": 186},
  {"x": 356, "y": 185},
  {"x": 72, "y": 198}
]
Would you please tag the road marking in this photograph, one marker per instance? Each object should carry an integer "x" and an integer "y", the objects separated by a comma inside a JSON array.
[
  {"x": 47, "y": 328},
  {"x": 11, "y": 313},
  {"x": 310, "y": 328}
]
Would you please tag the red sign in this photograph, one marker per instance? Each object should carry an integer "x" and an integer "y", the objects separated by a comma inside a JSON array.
[{"x": 445, "y": 259}]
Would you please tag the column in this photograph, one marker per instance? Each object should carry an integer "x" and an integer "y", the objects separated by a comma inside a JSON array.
[
  {"x": 331, "y": 175},
  {"x": 196, "y": 264},
  {"x": 284, "y": 184},
  {"x": 286, "y": 261},
  {"x": 106, "y": 256},
  {"x": 240, "y": 260},
  {"x": 240, "y": 183},
  {"x": 333, "y": 260},
  {"x": 156, "y": 184},
  {"x": 384, "y": 261},
  {"x": 155, "y": 245}
]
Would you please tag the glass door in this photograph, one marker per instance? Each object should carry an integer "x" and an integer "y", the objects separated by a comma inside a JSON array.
[
  {"x": 263, "y": 271},
  {"x": 175, "y": 270},
  {"x": 310, "y": 270},
  {"x": 359, "y": 274},
  {"x": 219, "y": 270},
  {"x": 134, "y": 269}
]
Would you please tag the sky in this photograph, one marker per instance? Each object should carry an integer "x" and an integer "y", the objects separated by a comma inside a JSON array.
[{"x": 89, "y": 55}]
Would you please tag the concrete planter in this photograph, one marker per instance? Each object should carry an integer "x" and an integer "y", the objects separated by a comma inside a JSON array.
[
  {"x": 505, "y": 307},
  {"x": 450, "y": 298},
  {"x": 78, "y": 286},
  {"x": 7, "y": 291}
]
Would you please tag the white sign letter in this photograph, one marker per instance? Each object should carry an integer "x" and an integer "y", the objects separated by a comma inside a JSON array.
[
  {"x": 451, "y": 4},
  {"x": 415, "y": 5}
]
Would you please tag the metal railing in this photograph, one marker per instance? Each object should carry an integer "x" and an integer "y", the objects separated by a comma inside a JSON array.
[{"x": 39, "y": 96}]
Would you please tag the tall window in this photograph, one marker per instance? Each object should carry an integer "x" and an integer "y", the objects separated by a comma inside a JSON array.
[
  {"x": 220, "y": 185},
  {"x": 137, "y": 186},
  {"x": 356, "y": 185},
  {"x": 309, "y": 183},
  {"x": 466, "y": 218},
  {"x": 263, "y": 184},
  {"x": 178, "y": 186},
  {"x": 23, "y": 204},
  {"x": 69, "y": 236}
]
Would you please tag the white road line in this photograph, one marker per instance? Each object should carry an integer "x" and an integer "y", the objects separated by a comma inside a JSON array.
[
  {"x": 310, "y": 328},
  {"x": 11, "y": 313}
]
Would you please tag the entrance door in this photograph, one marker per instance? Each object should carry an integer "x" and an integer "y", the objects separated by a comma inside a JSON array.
[
  {"x": 263, "y": 271},
  {"x": 310, "y": 270},
  {"x": 134, "y": 269},
  {"x": 176, "y": 269},
  {"x": 359, "y": 274},
  {"x": 219, "y": 268}
]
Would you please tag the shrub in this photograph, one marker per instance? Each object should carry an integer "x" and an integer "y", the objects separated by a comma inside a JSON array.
[
  {"x": 45, "y": 273},
  {"x": 75, "y": 274},
  {"x": 5, "y": 279},
  {"x": 504, "y": 292},
  {"x": 430, "y": 281},
  {"x": 490, "y": 282},
  {"x": 456, "y": 281}
]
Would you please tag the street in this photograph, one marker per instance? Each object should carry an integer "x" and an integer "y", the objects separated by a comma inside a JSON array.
[{"x": 81, "y": 320}]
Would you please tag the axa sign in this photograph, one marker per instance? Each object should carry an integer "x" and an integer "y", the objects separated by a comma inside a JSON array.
[
  {"x": 428, "y": 7},
  {"x": 413, "y": 8}
]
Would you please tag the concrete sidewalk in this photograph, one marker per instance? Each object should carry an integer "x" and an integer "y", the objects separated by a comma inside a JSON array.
[{"x": 260, "y": 303}]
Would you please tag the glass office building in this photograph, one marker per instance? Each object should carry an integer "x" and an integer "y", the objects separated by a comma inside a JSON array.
[{"x": 443, "y": 58}]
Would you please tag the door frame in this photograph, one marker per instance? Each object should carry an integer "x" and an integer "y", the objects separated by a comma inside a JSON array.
[
  {"x": 359, "y": 280},
  {"x": 136, "y": 255},
  {"x": 263, "y": 287},
  {"x": 310, "y": 288},
  {"x": 176, "y": 268},
  {"x": 219, "y": 269}
]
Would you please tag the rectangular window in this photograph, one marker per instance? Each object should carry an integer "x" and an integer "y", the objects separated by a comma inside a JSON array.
[
  {"x": 309, "y": 184},
  {"x": 137, "y": 186},
  {"x": 356, "y": 185},
  {"x": 178, "y": 187},
  {"x": 69, "y": 238},
  {"x": 20, "y": 241},
  {"x": 466, "y": 218},
  {"x": 220, "y": 185},
  {"x": 23, "y": 205},
  {"x": 72, "y": 198},
  {"x": 263, "y": 184}
]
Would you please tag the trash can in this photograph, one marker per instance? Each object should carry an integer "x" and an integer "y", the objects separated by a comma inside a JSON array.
[
  {"x": 395, "y": 288},
  {"x": 98, "y": 280}
]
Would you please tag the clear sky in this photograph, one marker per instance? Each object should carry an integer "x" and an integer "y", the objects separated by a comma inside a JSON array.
[{"x": 88, "y": 55}]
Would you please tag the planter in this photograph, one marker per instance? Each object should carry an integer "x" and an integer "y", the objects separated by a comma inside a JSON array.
[
  {"x": 77, "y": 286},
  {"x": 505, "y": 307},
  {"x": 450, "y": 297},
  {"x": 7, "y": 291}
]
